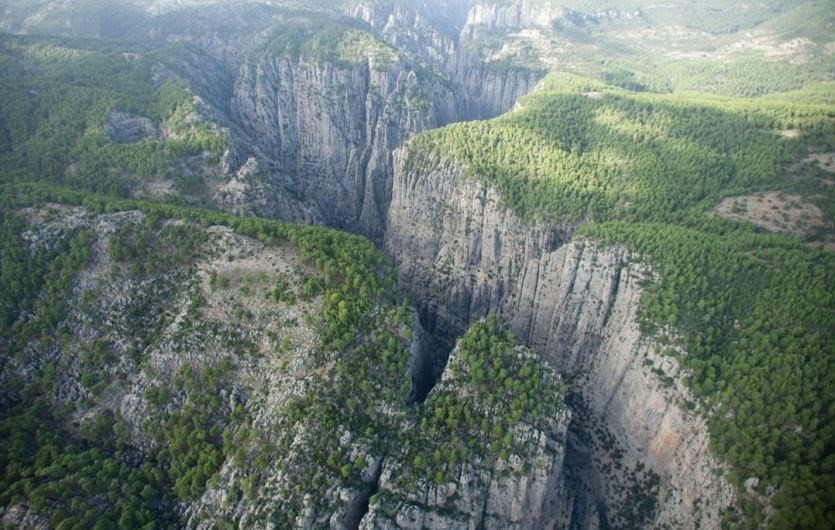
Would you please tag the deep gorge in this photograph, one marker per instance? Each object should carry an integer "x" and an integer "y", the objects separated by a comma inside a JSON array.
[
  {"x": 547, "y": 300},
  {"x": 461, "y": 255}
]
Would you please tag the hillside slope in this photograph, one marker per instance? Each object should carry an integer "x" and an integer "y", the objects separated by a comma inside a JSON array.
[{"x": 643, "y": 194}]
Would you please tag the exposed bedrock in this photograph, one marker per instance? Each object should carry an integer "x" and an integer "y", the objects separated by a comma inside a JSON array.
[
  {"x": 461, "y": 255},
  {"x": 315, "y": 138},
  {"x": 323, "y": 135},
  {"x": 514, "y": 492}
]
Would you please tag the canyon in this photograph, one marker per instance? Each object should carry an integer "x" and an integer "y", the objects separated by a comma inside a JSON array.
[
  {"x": 461, "y": 255},
  {"x": 318, "y": 107}
]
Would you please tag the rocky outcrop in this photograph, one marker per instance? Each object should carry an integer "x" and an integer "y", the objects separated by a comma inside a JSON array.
[
  {"x": 323, "y": 131},
  {"x": 125, "y": 128},
  {"x": 513, "y": 492},
  {"x": 515, "y": 495},
  {"x": 485, "y": 18},
  {"x": 180, "y": 318},
  {"x": 461, "y": 254},
  {"x": 490, "y": 16},
  {"x": 19, "y": 516},
  {"x": 432, "y": 32},
  {"x": 426, "y": 30}
]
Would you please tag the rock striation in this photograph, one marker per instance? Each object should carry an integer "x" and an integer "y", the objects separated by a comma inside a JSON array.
[
  {"x": 461, "y": 254},
  {"x": 436, "y": 33},
  {"x": 486, "y": 18},
  {"x": 324, "y": 133}
]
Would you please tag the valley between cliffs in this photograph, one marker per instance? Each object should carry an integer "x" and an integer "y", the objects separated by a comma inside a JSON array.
[
  {"x": 617, "y": 439},
  {"x": 323, "y": 145}
]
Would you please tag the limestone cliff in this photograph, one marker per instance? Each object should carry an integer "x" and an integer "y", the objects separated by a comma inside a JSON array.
[
  {"x": 485, "y": 18},
  {"x": 323, "y": 133},
  {"x": 461, "y": 254},
  {"x": 312, "y": 102},
  {"x": 426, "y": 30},
  {"x": 437, "y": 34}
]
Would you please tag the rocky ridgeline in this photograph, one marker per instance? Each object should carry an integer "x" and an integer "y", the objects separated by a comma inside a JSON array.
[
  {"x": 316, "y": 137},
  {"x": 174, "y": 330}
]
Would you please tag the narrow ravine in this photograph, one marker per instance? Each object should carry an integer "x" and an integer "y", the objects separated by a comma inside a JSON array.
[{"x": 360, "y": 507}]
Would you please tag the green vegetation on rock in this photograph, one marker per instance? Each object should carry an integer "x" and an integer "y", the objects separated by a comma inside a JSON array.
[
  {"x": 492, "y": 388},
  {"x": 342, "y": 42},
  {"x": 72, "y": 473},
  {"x": 751, "y": 313},
  {"x": 580, "y": 151}
]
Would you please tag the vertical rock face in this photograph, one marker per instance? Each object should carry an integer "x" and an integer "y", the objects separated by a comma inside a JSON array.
[
  {"x": 426, "y": 30},
  {"x": 461, "y": 254},
  {"x": 491, "y": 90},
  {"x": 436, "y": 34},
  {"x": 485, "y": 18},
  {"x": 311, "y": 134},
  {"x": 324, "y": 133},
  {"x": 512, "y": 495},
  {"x": 491, "y": 16}
]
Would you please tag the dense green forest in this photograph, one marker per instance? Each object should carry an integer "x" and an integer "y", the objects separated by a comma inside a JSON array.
[
  {"x": 56, "y": 97},
  {"x": 582, "y": 151},
  {"x": 752, "y": 312}
]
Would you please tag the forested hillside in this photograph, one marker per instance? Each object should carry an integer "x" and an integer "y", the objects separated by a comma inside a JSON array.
[
  {"x": 94, "y": 115},
  {"x": 133, "y": 401},
  {"x": 580, "y": 150},
  {"x": 750, "y": 313},
  {"x": 715, "y": 47}
]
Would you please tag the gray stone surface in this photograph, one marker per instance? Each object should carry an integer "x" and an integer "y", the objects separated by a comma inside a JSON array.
[
  {"x": 461, "y": 255},
  {"x": 125, "y": 128},
  {"x": 512, "y": 494}
]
